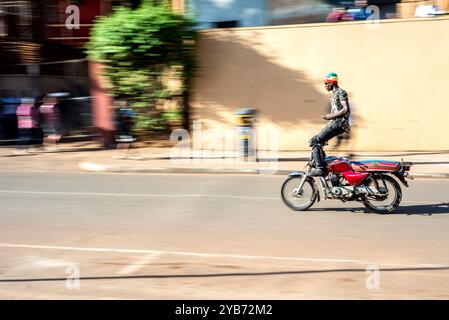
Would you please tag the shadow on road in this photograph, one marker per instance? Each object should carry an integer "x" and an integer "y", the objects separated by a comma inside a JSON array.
[
  {"x": 422, "y": 209},
  {"x": 425, "y": 209},
  {"x": 231, "y": 274}
]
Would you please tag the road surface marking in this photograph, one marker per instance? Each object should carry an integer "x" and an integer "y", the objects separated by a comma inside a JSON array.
[
  {"x": 139, "y": 264},
  {"x": 215, "y": 255},
  {"x": 153, "y": 195},
  {"x": 136, "y": 194},
  {"x": 37, "y": 262}
]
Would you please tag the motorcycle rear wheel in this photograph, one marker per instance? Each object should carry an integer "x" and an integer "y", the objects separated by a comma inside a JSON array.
[{"x": 394, "y": 195}]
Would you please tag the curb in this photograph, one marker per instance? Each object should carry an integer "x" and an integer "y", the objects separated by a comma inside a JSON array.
[
  {"x": 94, "y": 167},
  {"x": 64, "y": 139}
]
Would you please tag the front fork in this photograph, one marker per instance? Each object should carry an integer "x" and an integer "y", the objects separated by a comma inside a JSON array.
[
  {"x": 305, "y": 176},
  {"x": 323, "y": 186},
  {"x": 298, "y": 191}
]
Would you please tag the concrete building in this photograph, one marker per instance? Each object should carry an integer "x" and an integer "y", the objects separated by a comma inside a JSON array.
[{"x": 40, "y": 53}]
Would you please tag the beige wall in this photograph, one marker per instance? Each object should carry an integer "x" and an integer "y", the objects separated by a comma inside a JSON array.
[
  {"x": 178, "y": 5},
  {"x": 444, "y": 4},
  {"x": 397, "y": 76}
]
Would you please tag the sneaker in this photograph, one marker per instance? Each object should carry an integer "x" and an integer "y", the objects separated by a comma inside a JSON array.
[
  {"x": 20, "y": 151},
  {"x": 51, "y": 148}
]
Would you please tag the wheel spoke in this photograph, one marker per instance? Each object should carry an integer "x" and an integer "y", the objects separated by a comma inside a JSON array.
[
  {"x": 390, "y": 198},
  {"x": 295, "y": 198}
]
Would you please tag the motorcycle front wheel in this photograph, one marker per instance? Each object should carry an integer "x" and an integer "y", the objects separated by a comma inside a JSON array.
[
  {"x": 391, "y": 196},
  {"x": 298, "y": 200}
]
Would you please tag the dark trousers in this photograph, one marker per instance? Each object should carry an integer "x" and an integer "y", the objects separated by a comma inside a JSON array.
[
  {"x": 25, "y": 135},
  {"x": 319, "y": 140},
  {"x": 328, "y": 132}
]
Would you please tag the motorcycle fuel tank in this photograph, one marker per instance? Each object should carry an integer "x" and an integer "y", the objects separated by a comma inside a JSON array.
[{"x": 339, "y": 165}]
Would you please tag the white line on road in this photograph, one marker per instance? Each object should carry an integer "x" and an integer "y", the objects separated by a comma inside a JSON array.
[
  {"x": 105, "y": 194},
  {"x": 218, "y": 255},
  {"x": 139, "y": 264},
  {"x": 153, "y": 195}
]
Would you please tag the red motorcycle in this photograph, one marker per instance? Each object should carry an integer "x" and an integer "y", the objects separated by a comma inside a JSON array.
[{"x": 372, "y": 182}]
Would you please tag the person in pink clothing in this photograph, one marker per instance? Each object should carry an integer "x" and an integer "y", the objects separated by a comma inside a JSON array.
[
  {"x": 27, "y": 120},
  {"x": 51, "y": 122}
]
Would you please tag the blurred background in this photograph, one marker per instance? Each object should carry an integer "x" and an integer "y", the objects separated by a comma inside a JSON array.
[
  {"x": 272, "y": 61},
  {"x": 92, "y": 91}
]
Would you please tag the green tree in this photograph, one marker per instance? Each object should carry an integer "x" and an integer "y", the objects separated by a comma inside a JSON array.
[{"x": 138, "y": 47}]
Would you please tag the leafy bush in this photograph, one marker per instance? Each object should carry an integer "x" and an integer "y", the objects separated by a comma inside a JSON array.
[{"x": 137, "y": 47}]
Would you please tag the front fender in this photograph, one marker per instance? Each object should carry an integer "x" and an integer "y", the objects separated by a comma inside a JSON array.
[{"x": 298, "y": 174}]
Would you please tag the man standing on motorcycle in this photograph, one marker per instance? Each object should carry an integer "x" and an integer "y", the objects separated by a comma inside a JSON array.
[{"x": 338, "y": 123}]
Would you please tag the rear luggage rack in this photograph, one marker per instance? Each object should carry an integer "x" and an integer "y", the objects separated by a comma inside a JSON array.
[
  {"x": 405, "y": 166},
  {"x": 404, "y": 172}
]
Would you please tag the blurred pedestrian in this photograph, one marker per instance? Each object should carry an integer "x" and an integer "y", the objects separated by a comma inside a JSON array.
[
  {"x": 2, "y": 130},
  {"x": 9, "y": 117},
  {"x": 27, "y": 120},
  {"x": 125, "y": 138},
  {"x": 51, "y": 122}
]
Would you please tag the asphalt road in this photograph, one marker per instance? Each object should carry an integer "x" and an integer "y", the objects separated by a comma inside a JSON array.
[{"x": 213, "y": 236}]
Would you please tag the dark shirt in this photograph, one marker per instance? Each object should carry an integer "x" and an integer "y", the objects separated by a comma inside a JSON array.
[{"x": 343, "y": 121}]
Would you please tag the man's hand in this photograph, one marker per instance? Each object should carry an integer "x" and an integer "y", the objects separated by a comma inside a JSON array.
[{"x": 337, "y": 114}]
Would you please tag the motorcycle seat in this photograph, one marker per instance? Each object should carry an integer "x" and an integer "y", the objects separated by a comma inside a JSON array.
[{"x": 376, "y": 165}]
